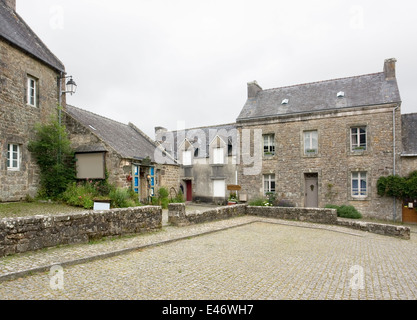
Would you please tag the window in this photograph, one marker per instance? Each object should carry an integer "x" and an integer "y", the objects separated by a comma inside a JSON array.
[
  {"x": 136, "y": 179},
  {"x": 269, "y": 145},
  {"x": 32, "y": 91},
  {"x": 311, "y": 142},
  {"x": 358, "y": 139},
  {"x": 359, "y": 184},
  {"x": 186, "y": 158},
  {"x": 13, "y": 157},
  {"x": 269, "y": 183},
  {"x": 218, "y": 156}
]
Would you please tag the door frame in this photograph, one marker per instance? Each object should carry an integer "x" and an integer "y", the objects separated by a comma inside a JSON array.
[{"x": 311, "y": 176}]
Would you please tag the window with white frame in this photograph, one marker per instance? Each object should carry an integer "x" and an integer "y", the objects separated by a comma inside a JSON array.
[
  {"x": 359, "y": 184},
  {"x": 186, "y": 158},
  {"x": 358, "y": 138},
  {"x": 269, "y": 183},
  {"x": 32, "y": 91},
  {"x": 311, "y": 144},
  {"x": 269, "y": 144},
  {"x": 218, "y": 156},
  {"x": 13, "y": 157}
]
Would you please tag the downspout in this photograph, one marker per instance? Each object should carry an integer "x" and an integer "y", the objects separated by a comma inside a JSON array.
[{"x": 395, "y": 160}]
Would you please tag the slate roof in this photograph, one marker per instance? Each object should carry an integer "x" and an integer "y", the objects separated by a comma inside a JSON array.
[
  {"x": 365, "y": 90},
  {"x": 14, "y": 29},
  {"x": 126, "y": 140},
  {"x": 200, "y": 138},
  {"x": 409, "y": 133}
]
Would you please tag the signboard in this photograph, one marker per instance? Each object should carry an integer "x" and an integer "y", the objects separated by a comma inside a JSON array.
[{"x": 232, "y": 187}]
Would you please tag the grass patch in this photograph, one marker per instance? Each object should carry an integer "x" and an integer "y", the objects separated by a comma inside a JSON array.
[{"x": 28, "y": 209}]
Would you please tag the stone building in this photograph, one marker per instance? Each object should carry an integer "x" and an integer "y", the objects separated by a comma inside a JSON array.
[
  {"x": 29, "y": 94},
  {"x": 208, "y": 158},
  {"x": 409, "y": 140},
  {"x": 325, "y": 142},
  {"x": 124, "y": 151}
]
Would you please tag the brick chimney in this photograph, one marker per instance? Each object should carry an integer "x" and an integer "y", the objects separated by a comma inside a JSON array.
[
  {"x": 389, "y": 69},
  {"x": 253, "y": 89}
]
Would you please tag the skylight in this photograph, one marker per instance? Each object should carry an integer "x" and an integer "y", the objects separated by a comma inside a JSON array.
[
  {"x": 285, "y": 101},
  {"x": 340, "y": 94}
]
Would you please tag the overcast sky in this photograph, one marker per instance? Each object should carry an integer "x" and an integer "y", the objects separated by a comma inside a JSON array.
[{"x": 160, "y": 62}]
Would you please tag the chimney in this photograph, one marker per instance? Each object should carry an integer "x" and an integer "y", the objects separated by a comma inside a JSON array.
[
  {"x": 253, "y": 89},
  {"x": 159, "y": 133},
  {"x": 389, "y": 69},
  {"x": 11, "y": 4}
]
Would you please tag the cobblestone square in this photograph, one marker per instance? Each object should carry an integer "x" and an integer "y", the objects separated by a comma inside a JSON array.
[{"x": 258, "y": 259}]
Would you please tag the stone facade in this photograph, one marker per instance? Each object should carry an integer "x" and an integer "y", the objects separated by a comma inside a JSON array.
[
  {"x": 120, "y": 168},
  {"x": 18, "y": 235},
  {"x": 334, "y": 162},
  {"x": 18, "y": 119}
]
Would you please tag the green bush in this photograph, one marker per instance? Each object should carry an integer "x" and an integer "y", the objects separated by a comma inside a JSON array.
[
  {"x": 121, "y": 198},
  {"x": 260, "y": 203},
  {"x": 81, "y": 195},
  {"x": 53, "y": 153},
  {"x": 346, "y": 211}
]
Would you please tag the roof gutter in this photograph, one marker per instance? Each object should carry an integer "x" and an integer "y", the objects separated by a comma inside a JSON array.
[{"x": 395, "y": 156}]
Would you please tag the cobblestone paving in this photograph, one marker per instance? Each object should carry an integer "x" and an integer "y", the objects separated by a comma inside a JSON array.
[{"x": 257, "y": 259}]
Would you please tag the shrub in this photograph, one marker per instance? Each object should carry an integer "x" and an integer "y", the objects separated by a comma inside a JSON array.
[
  {"x": 121, "y": 198},
  {"x": 81, "y": 195},
  {"x": 346, "y": 211},
  {"x": 260, "y": 203},
  {"x": 284, "y": 203},
  {"x": 53, "y": 153}
]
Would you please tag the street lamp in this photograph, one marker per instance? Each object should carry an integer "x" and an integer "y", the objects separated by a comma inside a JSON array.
[{"x": 71, "y": 86}]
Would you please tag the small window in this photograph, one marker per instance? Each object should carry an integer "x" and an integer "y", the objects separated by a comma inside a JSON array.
[
  {"x": 186, "y": 158},
  {"x": 285, "y": 101},
  {"x": 311, "y": 144},
  {"x": 13, "y": 157},
  {"x": 269, "y": 144},
  {"x": 340, "y": 94},
  {"x": 359, "y": 184},
  {"x": 358, "y": 139},
  {"x": 218, "y": 156},
  {"x": 269, "y": 183},
  {"x": 32, "y": 92}
]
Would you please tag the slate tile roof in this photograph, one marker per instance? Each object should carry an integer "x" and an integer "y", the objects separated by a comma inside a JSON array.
[
  {"x": 200, "y": 138},
  {"x": 128, "y": 141},
  {"x": 14, "y": 29},
  {"x": 409, "y": 133},
  {"x": 365, "y": 90}
]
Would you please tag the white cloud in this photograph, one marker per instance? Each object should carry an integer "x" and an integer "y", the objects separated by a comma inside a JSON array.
[{"x": 154, "y": 62}]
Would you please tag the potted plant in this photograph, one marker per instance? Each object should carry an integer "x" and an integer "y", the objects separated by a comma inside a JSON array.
[{"x": 232, "y": 199}]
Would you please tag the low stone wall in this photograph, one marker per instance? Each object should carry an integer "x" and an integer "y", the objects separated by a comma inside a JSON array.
[
  {"x": 177, "y": 215},
  {"x": 378, "y": 228},
  {"x": 18, "y": 235},
  {"x": 326, "y": 216}
]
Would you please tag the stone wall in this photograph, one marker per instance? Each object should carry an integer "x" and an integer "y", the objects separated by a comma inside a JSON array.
[
  {"x": 177, "y": 215},
  {"x": 378, "y": 228},
  {"x": 18, "y": 119},
  {"x": 325, "y": 216},
  {"x": 19, "y": 235}
]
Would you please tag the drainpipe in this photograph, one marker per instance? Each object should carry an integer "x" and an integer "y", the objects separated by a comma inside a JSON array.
[{"x": 395, "y": 160}]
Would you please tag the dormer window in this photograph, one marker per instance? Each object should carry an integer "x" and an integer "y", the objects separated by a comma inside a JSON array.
[
  {"x": 285, "y": 101},
  {"x": 340, "y": 94}
]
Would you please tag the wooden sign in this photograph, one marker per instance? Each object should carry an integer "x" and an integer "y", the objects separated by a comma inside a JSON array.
[{"x": 232, "y": 187}]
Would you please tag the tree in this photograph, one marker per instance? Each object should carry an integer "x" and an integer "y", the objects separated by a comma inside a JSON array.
[{"x": 55, "y": 157}]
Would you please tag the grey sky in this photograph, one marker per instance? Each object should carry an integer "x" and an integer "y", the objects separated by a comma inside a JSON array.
[{"x": 157, "y": 62}]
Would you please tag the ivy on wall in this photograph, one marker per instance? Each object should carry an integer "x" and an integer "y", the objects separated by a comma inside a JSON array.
[{"x": 398, "y": 187}]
